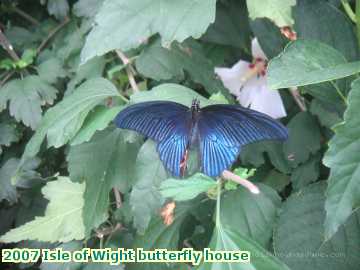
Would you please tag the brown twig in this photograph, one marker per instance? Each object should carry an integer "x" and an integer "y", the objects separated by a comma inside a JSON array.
[
  {"x": 51, "y": 34},
  {"x": 244, "y": 182},
  {"x": 129, "y": 71},
  {"x": 7, "y": 76},
  {"x": 298, "y": 98},
  {"x": 117, "y": 196},
  {"x": 4, "y": 42},
  {"x": 26, "y": 16},
  {"x": 108, "y": 230}
]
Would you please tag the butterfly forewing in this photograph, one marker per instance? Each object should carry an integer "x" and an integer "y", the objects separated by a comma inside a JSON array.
[
  {"x": 224, "y": 129},
  {"x": 167, "y": 123}
]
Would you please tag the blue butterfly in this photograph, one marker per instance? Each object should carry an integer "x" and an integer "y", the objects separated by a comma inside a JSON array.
[{"x": 220, "y": 131}]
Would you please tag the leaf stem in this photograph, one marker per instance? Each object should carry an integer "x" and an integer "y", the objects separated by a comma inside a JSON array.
[
  {"x": 218, "y": 199},
  {"x": 348, "y": 10},
  {"x": 244, "y": 182},
  {"x": 294, "y": 91},
  {"x": 339, "y": 92},
  {"x": 129, "y": 71},
  {"x": 4, "y": 42},
  {"x": 25, "y": 16},
  {"x": 357, "y": 12},
  {"x": 51, "y": 34}
]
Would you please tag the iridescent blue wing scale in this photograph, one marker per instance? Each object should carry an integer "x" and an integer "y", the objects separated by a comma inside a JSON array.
[
  {"x": 224, "y": 129},
  {"x": 168, "y": 123}
]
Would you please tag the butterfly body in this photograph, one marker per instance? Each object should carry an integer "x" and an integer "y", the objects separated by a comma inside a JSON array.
[{"x": 217, "y": 132}]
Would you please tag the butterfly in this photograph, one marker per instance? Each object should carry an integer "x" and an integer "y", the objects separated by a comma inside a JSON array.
[{"x": 220, "y": 131}]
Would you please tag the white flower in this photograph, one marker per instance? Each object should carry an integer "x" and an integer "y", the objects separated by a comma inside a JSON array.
[{"x": 247, "y": 81}]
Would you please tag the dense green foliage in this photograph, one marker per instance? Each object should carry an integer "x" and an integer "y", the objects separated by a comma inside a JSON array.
[{"x": 69, "y": 178}]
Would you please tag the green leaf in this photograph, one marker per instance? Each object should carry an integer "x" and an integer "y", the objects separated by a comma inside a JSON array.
[
  {"x": 254, "y": 154},
  {"x": 158, "y": 235},
  {"x": 255, "y": 213},
  {"x": 61, "y": 122},
  {"x": 326, "y": 114},
  {"x": 279, "y": 11},
  {"x": 186, "y": 189},
  {"x": 306, "y": 173},
  {"x": 145, "y": 198},
  {"x": 231, "y": 25},
  {"x": 50, "y": 70},
  {"x": 171, "y": 92},
  {"x": 87, "y": 8},
  {"x": 70, "y": 246},
  {"x": 305, "y": 62},
  {"x": 276, "y": 180},
  {"x": 92, "y": 69},
  {"x": 163, "y": 64},
  {"x": 98, "y": 119},
  {"x": 225, "y": 239},
  {"x": 314, "y": 20},
  {"x": 105, "y": 168},
  {"x": 269, "y": 36},
  {"x": 26, "y": 98},
  {"x": 62, "y": 221},
  {"x": 9, "y": 134},
  {"x": 7, "y": 190},
  {"x": 58, "y": 8},
  {"x": 304, "y": 138},
  {"x": 299, "y": 236},
  {"x": 126, "y": 24},
  {"x": 343, "y": 192}
]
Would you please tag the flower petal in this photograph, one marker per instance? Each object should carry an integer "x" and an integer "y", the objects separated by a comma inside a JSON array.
[
  {"x": 256, "y": 50},
  {"x": 249, "y": 91},
  {"x": 269, "y": 102},
  {"x": 232, "y": 78}
]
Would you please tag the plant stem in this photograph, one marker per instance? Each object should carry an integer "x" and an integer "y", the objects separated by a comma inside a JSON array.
[
  {"x": 349, "y": 10},
  {"x": 357, "y": 12},
  {"x": 117, "y": 196},
  {"x": 4, "y": 42},
  {"x": 51, "y": 34},
  {"x": 244, "y": 182},
  {"x": 298, "y": 98},
  {"x": 218, "y": 199},
  {"x": 26, "y": 16},
  {"x": 339, "y": 92},
  {"x": 129, "y": 71}
]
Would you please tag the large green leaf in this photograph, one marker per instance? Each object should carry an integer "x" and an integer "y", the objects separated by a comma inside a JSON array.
[
  {"x": 158, "y": 235},
  {"x": 306, "y": 173},
  {"x": 62, "y": 221},
  {"x": 126, "y": 24},
  {"x": 299, "y": 236},
  {"x": 305, "y": 62},
  {"x": 315, "y": 20},
  {"x": 255, "y": 213},
  {"x": 186, "y": 189},
  {"x": 171, "y": 92},
  {"x": 26, "y": 96},
  {"x": 343, "y": 192},
  {"x": 226, "y": 236},
  {"x": 102, "y": 163},
  {"x": 51, "y": 69},
  {"x": 98, "y": 119},
  {"x": 279, "y": 11},
  {"x": 161, "y": 63},
  {"x": 61, "y": 122},
  {"x": 304, "y": 138},
  {"x": 231, "y": 25},
  {"x": 7, "y": 190},
  {"x": 145, "y": 198},
  {"x": 9, "y": 133}
]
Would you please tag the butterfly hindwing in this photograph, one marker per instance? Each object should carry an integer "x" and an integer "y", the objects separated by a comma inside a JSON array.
[
  {"x": 167, "y": 123},
  {"x": 224, "y": 129}
]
